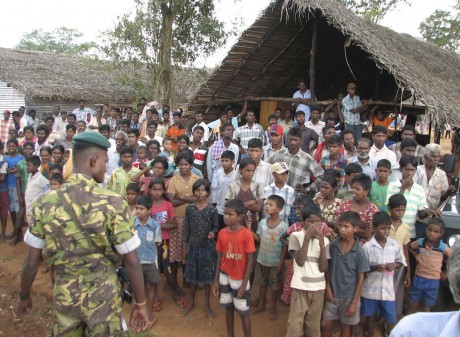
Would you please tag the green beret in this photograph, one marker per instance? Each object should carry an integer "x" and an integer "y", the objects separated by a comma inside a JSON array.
[{"x": 91, "y": 139}]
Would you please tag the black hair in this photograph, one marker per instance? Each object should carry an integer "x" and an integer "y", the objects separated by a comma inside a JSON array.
[
  {"x": 346, "y": 132},
  {"x": 55, "y": 166},
  {"x": 353, "y": 168},
  {"x": 436, "y": 221},
  {"x": 228, "y": 154},
  {"x": 332, "y": 172},
  {"x": 224, "y": 113},
  {"x": 47, "y": 118},
  {"x": 202, "y": 182},
  {"x": 303, "y": 200},
  {"x": 330, "y": 119},
  {"x": 81, "y": 121},
  {"x": 278, "y": 200},
  {"x": 364, "y": 180},
  {"x": 133, "y": 187},
  {"x": 13, "y": 141},
  {"x": 351, "y": 217},
  {"x": 379, "y": 129},
  {"x": 245, "y": 162},
  {"x": 28, "y": 128},
  {"x": 397, "y": 200},
  {"x": 236, "y": 205},
  {"x": 255, "y": 143},
  {"x": 381, "y": 218},
  {"x": 126, "y": 150},
  {"x": 327, "y": 127},
  {"x": 408, "y": 143},
  {"x": 71, "y": 126},
  {"x": 335, "y": 140},
  {"x": 176, "y": 114},
  {"x": 145, "y": 200},
  {"x": 198, "y": 127},
  {"x": 152, "y": 122},
  {"x": 225, "y": 125},
  {"x": 58, "y": 177},
  {"x": 311, "y": 209},
  {"x": 104, "y": 127},
  {"x": 28, "y": 144},
  {"x": 71, "y": 115},
  {"x": 43, "y": 127},
  {"x": 199, "y": 112},
  {"x": 162, "y": 160},
  {"x": 408, "y": 127},
  {"x": 315, "y": 108},
  {"x": 184, "y": 137},
  {"x": 295, "y": 132},
  {"x": 153, "y": 141},
  {"x": 15, "y": 113},
  {"x": 406, "y": 160},
  {"x": 384, "y": 163},
  {"x": 34, "y": 160},
  {"x": 126, "y": 122},
  {"x": 58, "y": 147},
  {"x": 161, "y": 182},
  {"x": 133, "y": 131},
  {"x": 141, "y": 147},
  {"x": 187, "y": 155},
  {"x": 299, "y": 113},
  {"x": 46, "y": 148},
  {"x": 272, "y": 116},
  {"x": 331, "y": 180}
]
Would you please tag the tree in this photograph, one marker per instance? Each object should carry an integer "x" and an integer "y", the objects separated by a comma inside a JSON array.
[
  {"x": 371, "y": 10},
  {"x": 442, "y": 28},
  {"x": 163, "y": 33},
  {"x": 60, "y": 40}
]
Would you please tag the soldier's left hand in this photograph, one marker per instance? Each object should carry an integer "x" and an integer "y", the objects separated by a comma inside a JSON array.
[{"x": 23, "y": 305}]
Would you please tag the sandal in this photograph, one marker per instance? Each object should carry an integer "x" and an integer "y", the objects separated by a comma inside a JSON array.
[
  {"x": 156, "y": 306},
  {"x": 182, "y": 302}
]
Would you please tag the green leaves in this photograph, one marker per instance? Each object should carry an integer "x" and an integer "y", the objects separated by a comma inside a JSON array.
[{"x": 371, "y": 10}]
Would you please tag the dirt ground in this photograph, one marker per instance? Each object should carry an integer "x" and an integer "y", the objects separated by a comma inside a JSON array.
[{"x": 170, "y": 323}]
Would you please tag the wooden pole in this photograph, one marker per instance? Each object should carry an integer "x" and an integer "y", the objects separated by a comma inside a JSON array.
[{"x": 313, "y": 60}]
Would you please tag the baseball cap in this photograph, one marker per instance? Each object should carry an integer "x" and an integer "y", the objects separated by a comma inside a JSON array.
[
  {"x": 278, "y": 129},
  {"x": 351, "y": 86},
  {"x": 280, "y": 167}
]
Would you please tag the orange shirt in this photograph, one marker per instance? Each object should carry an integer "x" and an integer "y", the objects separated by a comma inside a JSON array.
[
  {"x": 386, "y": 122},
  {"x": 174, "y": 132}
]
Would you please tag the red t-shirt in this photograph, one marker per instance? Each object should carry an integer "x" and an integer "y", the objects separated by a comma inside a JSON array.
[
  {"x": 234, "y": 246},
  {"x": 161, "y": 214}
]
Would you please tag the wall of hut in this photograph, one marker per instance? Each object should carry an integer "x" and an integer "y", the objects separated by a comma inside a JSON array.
[{"x": 10, "y": 98}]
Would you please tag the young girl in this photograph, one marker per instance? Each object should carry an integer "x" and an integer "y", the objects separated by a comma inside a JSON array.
[
  {"x": 327, "y": 202},
  {"x": 248, "y": 191},
  {"x": 57, "y": 155},
  {"x": 299, "y": 203},
  {"x": 200, "y": 229},
  {"x": 162, "y": 211},
  {"x": 156, "y": 169},
  {"x": 181, "y": 195},
  {"x": 169, "y": 154},
  {"x": 361, "y": 186},
  {"x": 141, "y": 157}
]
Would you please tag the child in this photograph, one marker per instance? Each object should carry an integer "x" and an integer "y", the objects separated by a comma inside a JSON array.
[
  {"x": 335, "y": 160},
  {"x": 169, "y": 154},
  {"x": 400, "y": 232},
  {"x": 37, "y": 184},
  {"x": 156, "y": 169},
  {"x": 56, "y": 180},
  {"x": 221, "y": 179},
  {"x": 280, "y": 173},
  {"x": 384, "y": 255},
  {"x": 235, "y": 254},
  {"x": 3, "y": 193},
  {"x": 429, "y": 252},
  {"x": 308, "y": 248},
  {"x": 149, "y": 233},
  {"x": 380, "y": 187},
  {"x": 327, "y": 202},
  {"x": 351, "y": 171},
  {"x": 132, "y": 193},
  {"x": 141, "y": 156},
  {"x": 199, "y": 249},
  {"x": 272, "y": 254},
  {"x": 345, "y": 279},
  {"x": 121, "y": 176}
]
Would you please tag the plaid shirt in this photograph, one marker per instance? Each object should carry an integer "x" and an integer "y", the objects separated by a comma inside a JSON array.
[
  {"x": 5, "y": 127},
  {"x": 244, "y": 134},
  {"x": 338, "y": 165},
  {"x": 301, "y": 167},
  {"x": 350, "y": 104}
]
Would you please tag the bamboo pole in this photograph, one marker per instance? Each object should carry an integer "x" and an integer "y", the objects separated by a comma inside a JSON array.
[{"x": 313, "y": 60}]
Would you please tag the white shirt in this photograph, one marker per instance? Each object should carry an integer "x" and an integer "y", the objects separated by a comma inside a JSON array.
[
  {"x": 318, "y": 127},
  {"x": 205, "y": 135},
  {"x": 428, "y": 324},
  {"x": 383, "y": 153},
  {"x": 37, "y": 185},
  {"x": 219, "y": 186},
  {"x": 368, "y": 168},
  {"x": 214, "y": 164},
  {"x": 114, "y": 158},
  {"x": 303, "y": 107}
]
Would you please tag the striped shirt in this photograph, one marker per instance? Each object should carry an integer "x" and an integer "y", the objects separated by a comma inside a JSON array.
[
  {"x": 287, "y": 193},
  {"x": 350, "y": 103},
  {"x": 244, "y": 134},
  {"x": 416, "y": 201},
  {"x": 379, "y": 285},
  {"x": 429, "y": 260}
]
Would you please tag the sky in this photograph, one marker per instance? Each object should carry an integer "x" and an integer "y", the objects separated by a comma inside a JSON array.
[{"x": 93, "y": 16}]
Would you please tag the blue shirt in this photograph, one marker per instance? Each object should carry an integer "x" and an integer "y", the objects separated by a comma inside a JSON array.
[
  {"x": 270, "y": 245},
  {"x": 12, "y": 162},
  {"x": 149, "y": 234}
]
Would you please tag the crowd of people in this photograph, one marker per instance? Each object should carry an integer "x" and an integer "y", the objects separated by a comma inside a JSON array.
[{"x": 230, "y": 202}]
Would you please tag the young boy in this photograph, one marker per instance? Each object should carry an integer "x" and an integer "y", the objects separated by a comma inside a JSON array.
[
  {"x": 429, "y": 252},
  {"x": 384, "y": 255},
  {"x": 56, "y": 180},
  {"x": 169, "y": 154},
  {"x": 221, "y": 179},
  {"x": 271, "y": 256},
  {"x": 141, "y": 156},
  {"x": 400, "y": 232},
  {"x": 308, "y": 248},
  {"x": 149, "y": 232},
  {"x": 3, "y": 193},
  {"x": 37, "y": 184},
  {"x": 235, "y": 254},
  {"x": 380, "y": 187},
  {"x": 132, "y": 193},
  {"x": 122, "y": 176},
  {"x": 263, "y": 173},
  {"x": 280, "y": 172},
  {"x": 334, "y": 160},
  {"x": 345, "y": 278},
  {"x": 351, "y": 171}
]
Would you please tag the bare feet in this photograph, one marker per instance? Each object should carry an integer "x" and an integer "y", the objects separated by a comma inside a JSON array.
[
  {"x": 187, "y": 309},
  {"x": 257, "y": 310},
  {"x": 272, "y": 315},
  {"x": 208, "y": 311}
]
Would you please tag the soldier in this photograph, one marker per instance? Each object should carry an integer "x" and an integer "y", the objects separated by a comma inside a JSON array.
[{"x": 85, "y": 230}]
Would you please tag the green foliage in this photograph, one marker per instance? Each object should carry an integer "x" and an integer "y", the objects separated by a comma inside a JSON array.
[
  {"x": 60, "y": 40},
  {"x": 442, "y": 28},
  {"x": 371, "y": 10}
]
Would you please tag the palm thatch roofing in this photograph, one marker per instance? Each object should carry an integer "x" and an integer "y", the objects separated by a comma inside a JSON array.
[
  {"x": 61, "y": 77},
  {"x": 273, "y": 54}
]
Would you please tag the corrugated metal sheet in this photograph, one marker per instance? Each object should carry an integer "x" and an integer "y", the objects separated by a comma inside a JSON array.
[{"x": 10, "y": 99}]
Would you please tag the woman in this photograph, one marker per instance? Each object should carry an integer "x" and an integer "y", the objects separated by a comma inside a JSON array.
[
  {"x": 153, "y": 149},
  {"x": 45, "y": 156}
]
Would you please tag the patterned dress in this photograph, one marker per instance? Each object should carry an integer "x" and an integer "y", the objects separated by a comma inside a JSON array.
[
  {"x": 329, "y": 214},
  {"x": 365, "y": 215}
]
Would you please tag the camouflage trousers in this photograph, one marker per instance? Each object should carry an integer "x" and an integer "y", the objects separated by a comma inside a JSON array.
[{"x": 87, "y": 305}]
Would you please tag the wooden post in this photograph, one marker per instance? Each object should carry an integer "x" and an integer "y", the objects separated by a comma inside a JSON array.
[{"x": 312, "y": 60}]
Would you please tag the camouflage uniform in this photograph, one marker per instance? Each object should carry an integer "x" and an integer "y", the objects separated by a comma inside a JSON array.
[{"x": 87, "y": 291}]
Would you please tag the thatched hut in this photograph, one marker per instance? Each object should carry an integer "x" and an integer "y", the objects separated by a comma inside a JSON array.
[
  {"x": 41, "y": 80},
  {"x": 327, "y": 45}
]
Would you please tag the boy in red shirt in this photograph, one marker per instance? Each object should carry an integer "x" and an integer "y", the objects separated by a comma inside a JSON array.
[{"x": 235, "y": 249}]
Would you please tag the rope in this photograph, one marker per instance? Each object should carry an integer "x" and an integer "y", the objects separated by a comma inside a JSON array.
[{"x": 347, "y": 44}]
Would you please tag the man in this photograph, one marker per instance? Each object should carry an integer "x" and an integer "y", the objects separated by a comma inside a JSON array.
[
  {"x": 408, "y": 132},
  {"x": 151, "y": 133},
  {"x": 315, "y": 123},
  {"x": 33, "y": 120},
  {"x": 82, "y": 262},
  {"x": 352, "y": 109},
  {"x": 42, "y": 138},
  {"x": 140, "y": 110},
  {"x": 302, "y": 99},
  {"x": 61, "y": 124},
  {"x": 310, "y": 139},
  {"x": 175, "y": 130},
  {"x": 301, "y": 164},
  {"x": 81, "y": 111},
  {"x": 92, "y": 122},
  {"x": 322, "y": 151},
  {"x": 166, "y": 118},
  {"x": 57, "y": 116},
  {"x": 287, "y": 123},
  {"x": 161, "y": 132},
  {"x": 199, "y": 120},
  {"x": 408, "y": 147},
  {"x": 379, "y": 150},
  {"x": 349, "y": 144},
  {"x": 104, "y": 130},
  {"x": 121, "y": 139},
  {"x": 224, "y": 144},
  {"x": 247, "y": 132},
  {"x": 335, "y": 160},
  {"x": 54, "y": 134},
  {"x": 215, "y": 128},
  {"x": 81, "y": 126},
  {"x": 276, "y": 135},
  {"x": 124, "y": 125},
  {"x": 24, "y": 120},
  {"x": 135, "y": 124},
  {"x": 67, "y": 141},
  {"x": 72, "y": 119},
  {"x": 263, "y": 172},
  {"x": 363, "y": 159},
  {"x": 133, "y": 141},
  {"x": 5, "y": 125}
]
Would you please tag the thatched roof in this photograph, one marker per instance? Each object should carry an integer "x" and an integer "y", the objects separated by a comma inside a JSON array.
[
  {"x": 61, "y": 77},
  {"x": 273, "y": 54}
]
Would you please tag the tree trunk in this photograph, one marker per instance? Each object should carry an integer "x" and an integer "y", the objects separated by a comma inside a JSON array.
[{"x": 164, "y": 80}]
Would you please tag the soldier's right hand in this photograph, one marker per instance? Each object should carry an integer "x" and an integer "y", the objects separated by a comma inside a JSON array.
[
  {"x": 139, "y": 319},
  {"x": 23, "y": 305}
]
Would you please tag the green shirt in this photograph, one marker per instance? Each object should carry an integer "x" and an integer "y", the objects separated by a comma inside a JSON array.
[
  {"x": 23, "y": 174},
  {"x": 379, "y": 196}
]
